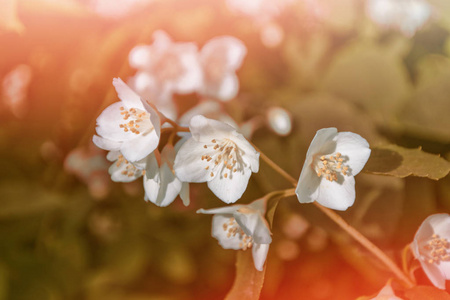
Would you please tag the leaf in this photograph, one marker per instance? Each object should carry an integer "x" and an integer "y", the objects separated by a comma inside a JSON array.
[
  {"x": 401, "y": 162},
  {"x": 249, "y": 281},
  {"x": 426, "y": 292}
]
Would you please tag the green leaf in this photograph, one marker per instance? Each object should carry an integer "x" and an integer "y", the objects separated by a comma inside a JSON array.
[
  {"x": 249, "y": 281},
  {"x": 426, "y": 292},
  {"x": 401, "y": 162}
]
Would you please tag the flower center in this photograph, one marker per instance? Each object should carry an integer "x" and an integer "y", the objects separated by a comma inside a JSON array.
[
  {"x": 224, "y": 157},
  {"x": 329, "y": 166},
  {"x": 437, "y": 249},
  {"x": 137, "y": 121},
  {"x": 232, "y": 228},
  {"x": 130, "y": 169}
]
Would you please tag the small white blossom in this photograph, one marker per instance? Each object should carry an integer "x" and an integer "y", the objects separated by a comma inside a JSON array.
[
  {"x": 332, "y": 161},
  {"x": 242, "y": 227},
  {"x": 160, "y": 183},
  {"x": 431, "y": 246},
  {"x": 124, "y": 171},
  {"x": 219, "y": 155},
  {"x": 220, "y": 58},
  {"x": 279, "y": 120},
  {"x": 405, "y": 15},
  {"x": 165, "y": 68},
  {"x": 130, "y": 126}
]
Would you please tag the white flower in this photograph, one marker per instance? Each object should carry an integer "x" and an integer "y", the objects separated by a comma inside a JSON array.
[
  {"x": 386, "y": 293},
  {"x": 160, "y": 183},
  {"x": 431, "y": 246},
  {"x": 406, "y": 15},
  {"x": 124, "y": 171},
  {"x": 220, "y": 58},
  {"x": 216, "y": 153},
  {"x": 130, "y": 126},
  {"x": 331, "y": 162},
  {"x": 165, "y": 68},
  {"x": 242, "y": 227}
]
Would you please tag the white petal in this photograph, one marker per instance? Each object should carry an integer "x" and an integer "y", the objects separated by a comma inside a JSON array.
[
  {"x": 231, "y": 49},
  {"x": 204, "y": 129},
  {"x": 129, "y": 98},
  {"x": 227, "y": 210},
  {"x": 355, "y": 148},
  {"x": 188, "y": 167},
  {"x": 434, "y": 273},
  {"x": 230, "y": 189},
  {"x": 170, "y": 187},
  {"x": 108, "y": 124},
  {"x": 308, "y": 185},
  {"x": 232, "y": 242},
  {"x": 334, "y": 195},
  {"x": 184, "y": 194},
  {"x": 322, "y": 142},
  {"x": 259, "y": 252},
  {"x": 225, "y": 90},
  {"x": 192, "y": 77},
  {"x": 251, "y": 156},
  {"x": 151, "y": 179},
  {"x": 254, "y": 225},
  {"x": 140, "y": 57},
  {"x": 106, "y": 144},
  {"x": 440, "y": 224},
  {"x": 113, "y": 155},
  {"x": 139, "y": 147},
  {"x": 117, "y": 176},
  {"x": 161, "y": 40}
]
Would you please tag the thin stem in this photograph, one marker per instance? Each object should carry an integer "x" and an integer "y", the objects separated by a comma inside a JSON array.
[
  {"x": 366, "y": 243},
  {"x": 345, "y": 226},
  {"x": 277, "y": 168}
]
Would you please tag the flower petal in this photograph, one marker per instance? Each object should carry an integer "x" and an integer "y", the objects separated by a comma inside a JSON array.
[
  {"x": 218, "y": 232},
  {"x": 151, "y": 179},
  {"x": 129, "y": 98},
  {"x": 184, "y": 193},
  {"x": 106, "y": 144},
  {"x": 187, "y": 163},
  {"x": 434, "y": 273},
  {"x": 170, "y": 187},
  {"x": 192, "y": 77},
  {"x": 334, "y": 195},
  {"x": 322, "y": 142},
  {"x": 226, "y": 89},
  {"x": 228, "y": 210},
  {"x": 254, "y": 225},
  {"x": 141, "y": 146},
  {"x": 116, "y": 172},
  {"x": 230, "y": 189},
  {"x": 308, "y": 185},
  {"x": 232, "y": 50},
  {"x": 108, "y": 124},
  {"x": 355, "y": 148},
  {"x": 251, "y": 156},
  {"x": 140, "y": 57},
  {"x": 259, "y": 252},
  {"x": 204, "y": 129}
]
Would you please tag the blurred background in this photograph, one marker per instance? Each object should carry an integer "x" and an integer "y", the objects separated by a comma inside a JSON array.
[{"x": 380, "y": 68}]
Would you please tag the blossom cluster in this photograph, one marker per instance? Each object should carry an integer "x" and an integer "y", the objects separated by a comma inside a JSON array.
[{"x": 215, "y": 152}]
